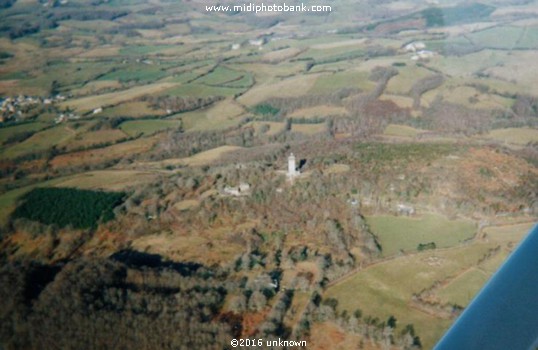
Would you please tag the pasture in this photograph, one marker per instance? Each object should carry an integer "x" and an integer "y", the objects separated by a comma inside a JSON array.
[
  {"x": 87, "y": 104},
  {"x": 401, "y": 131},
  {"x": 132, "y": 109},
  {"x": 399, "y": 233},
  {"x": 515, "y": 136},
  {"x": 40, "y": 142},
  {"x": 11, "y": 131},
  {"x": 329, "y": 83},
  {"x": 148, "y": 126},
  {"x": 387, "y": 288}
]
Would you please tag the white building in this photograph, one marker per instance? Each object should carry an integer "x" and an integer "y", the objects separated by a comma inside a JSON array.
[
  {"x": 292, "y": 168},
  {"x": 242, "y": 190},
  {"x": 415, "y": 46}
]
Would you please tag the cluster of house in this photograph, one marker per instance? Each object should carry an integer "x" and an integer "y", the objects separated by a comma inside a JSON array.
[
  {"x": 11, "y": 108},
  {"x": 418, "y": 48},
  {"x": 65, "y": 117},
  {"x": 259, "y": 41}
]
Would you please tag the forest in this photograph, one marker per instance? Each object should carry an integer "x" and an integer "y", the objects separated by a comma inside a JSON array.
[{"x": 68, "y": 206}]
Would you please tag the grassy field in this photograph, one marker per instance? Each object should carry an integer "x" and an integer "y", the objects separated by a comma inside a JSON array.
[
  {"x": 110, "y": 180},
  {"x": 401, "y": 131},
  {"x": 219, "y": 116},
  {"x": 329, "y": 83},
  {"x": 132, "y": 109},
  {"x": 40, "y": 141},
  {"x": 508, "y": 233},
  {"x": 291, "y": 87},
  {"x": 404, "y": 233},
  {"x": 467, "y": 65},
  {"x": 140, "y": 73},
  {"x": 516, "y": 136},
  {"x": 95, "y": 87},
  {"x": 387, "y": 288},
  {"x": 223, "y": 76},
  {"x": 86, "y": 104},
  {"x": 498, "y": 37},
  {"x": 309, "y": 129},
  {"x": 462, "y": 289},
  {"x": 6, "y": 133},
  {"x": 202, "y": 158},
  {"x": 203, "y": 90},
  {"x": 148, "y": 127},
  {"x": 93, "y": 138},
  {"x": 407, "y": 76},
  {"x": 529, "y": 39},
  {"x": 106, "y": 154},
  {"x": 319, "y": 112}
]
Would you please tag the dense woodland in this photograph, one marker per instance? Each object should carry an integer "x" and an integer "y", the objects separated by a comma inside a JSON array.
[{"x": 68, "y": 206}]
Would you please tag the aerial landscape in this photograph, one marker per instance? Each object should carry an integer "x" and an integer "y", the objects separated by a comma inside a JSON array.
[{"x": 175, "y": 176}]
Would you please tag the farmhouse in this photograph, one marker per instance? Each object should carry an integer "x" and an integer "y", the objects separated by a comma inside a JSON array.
[{"x": 415, "y": 46}]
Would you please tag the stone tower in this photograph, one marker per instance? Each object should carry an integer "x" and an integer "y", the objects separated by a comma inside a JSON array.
[{"x": 291, "y": 166}]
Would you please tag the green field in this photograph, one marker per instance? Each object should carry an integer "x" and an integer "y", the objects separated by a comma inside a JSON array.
[
  {"x": 148, "y": 127},
  {"x": 329, "y": 83},
  {"x": 7, "y": 133},
  {"x": 529, "y": 39},
  {"x": 498, "y": 37},
  {"x": 397, "y": 233},
  {"x": 140, "y": 73},
  {"x": 401, "y": 130},
  {"x": 387, "y": 288},
  {"x": 223, "y": 76},
  {"x": 461, "y": 290},
  {"x": 517, "y": 136},
  {"x": 202, "y": 90},
  {"x": 137, "y": 50},
  {"x": 40, "y": 142}
]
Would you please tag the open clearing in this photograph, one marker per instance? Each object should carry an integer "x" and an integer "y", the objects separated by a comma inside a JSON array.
[
  {"x": 309, "y": 129},
  {"x": 199, "y": 159},
  {"x": 6, "y": 133},
  {"x": 462, "y": 289},
  {"x": 40, "y": 141},
  {"x": 319, "y": 112},
  {"x": 106, "y": 154},
  {"x": 86, "y": 104},
  {"x": 401, "y": 131},
  {"x": 148, "y": 127},
  {"x": 202, "y": 158},
  {"x": 133, "y": 109},
  {"x": 387, "y": 288},
  {"x": 516, "y": 136},
  {"x": 110, "y": 180},
  {"x": 291, "y": 87},
  {"x": 398, "y": 233},
  {"x": 93, "y": 139},
  {"x": 219, "y": 116}
]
